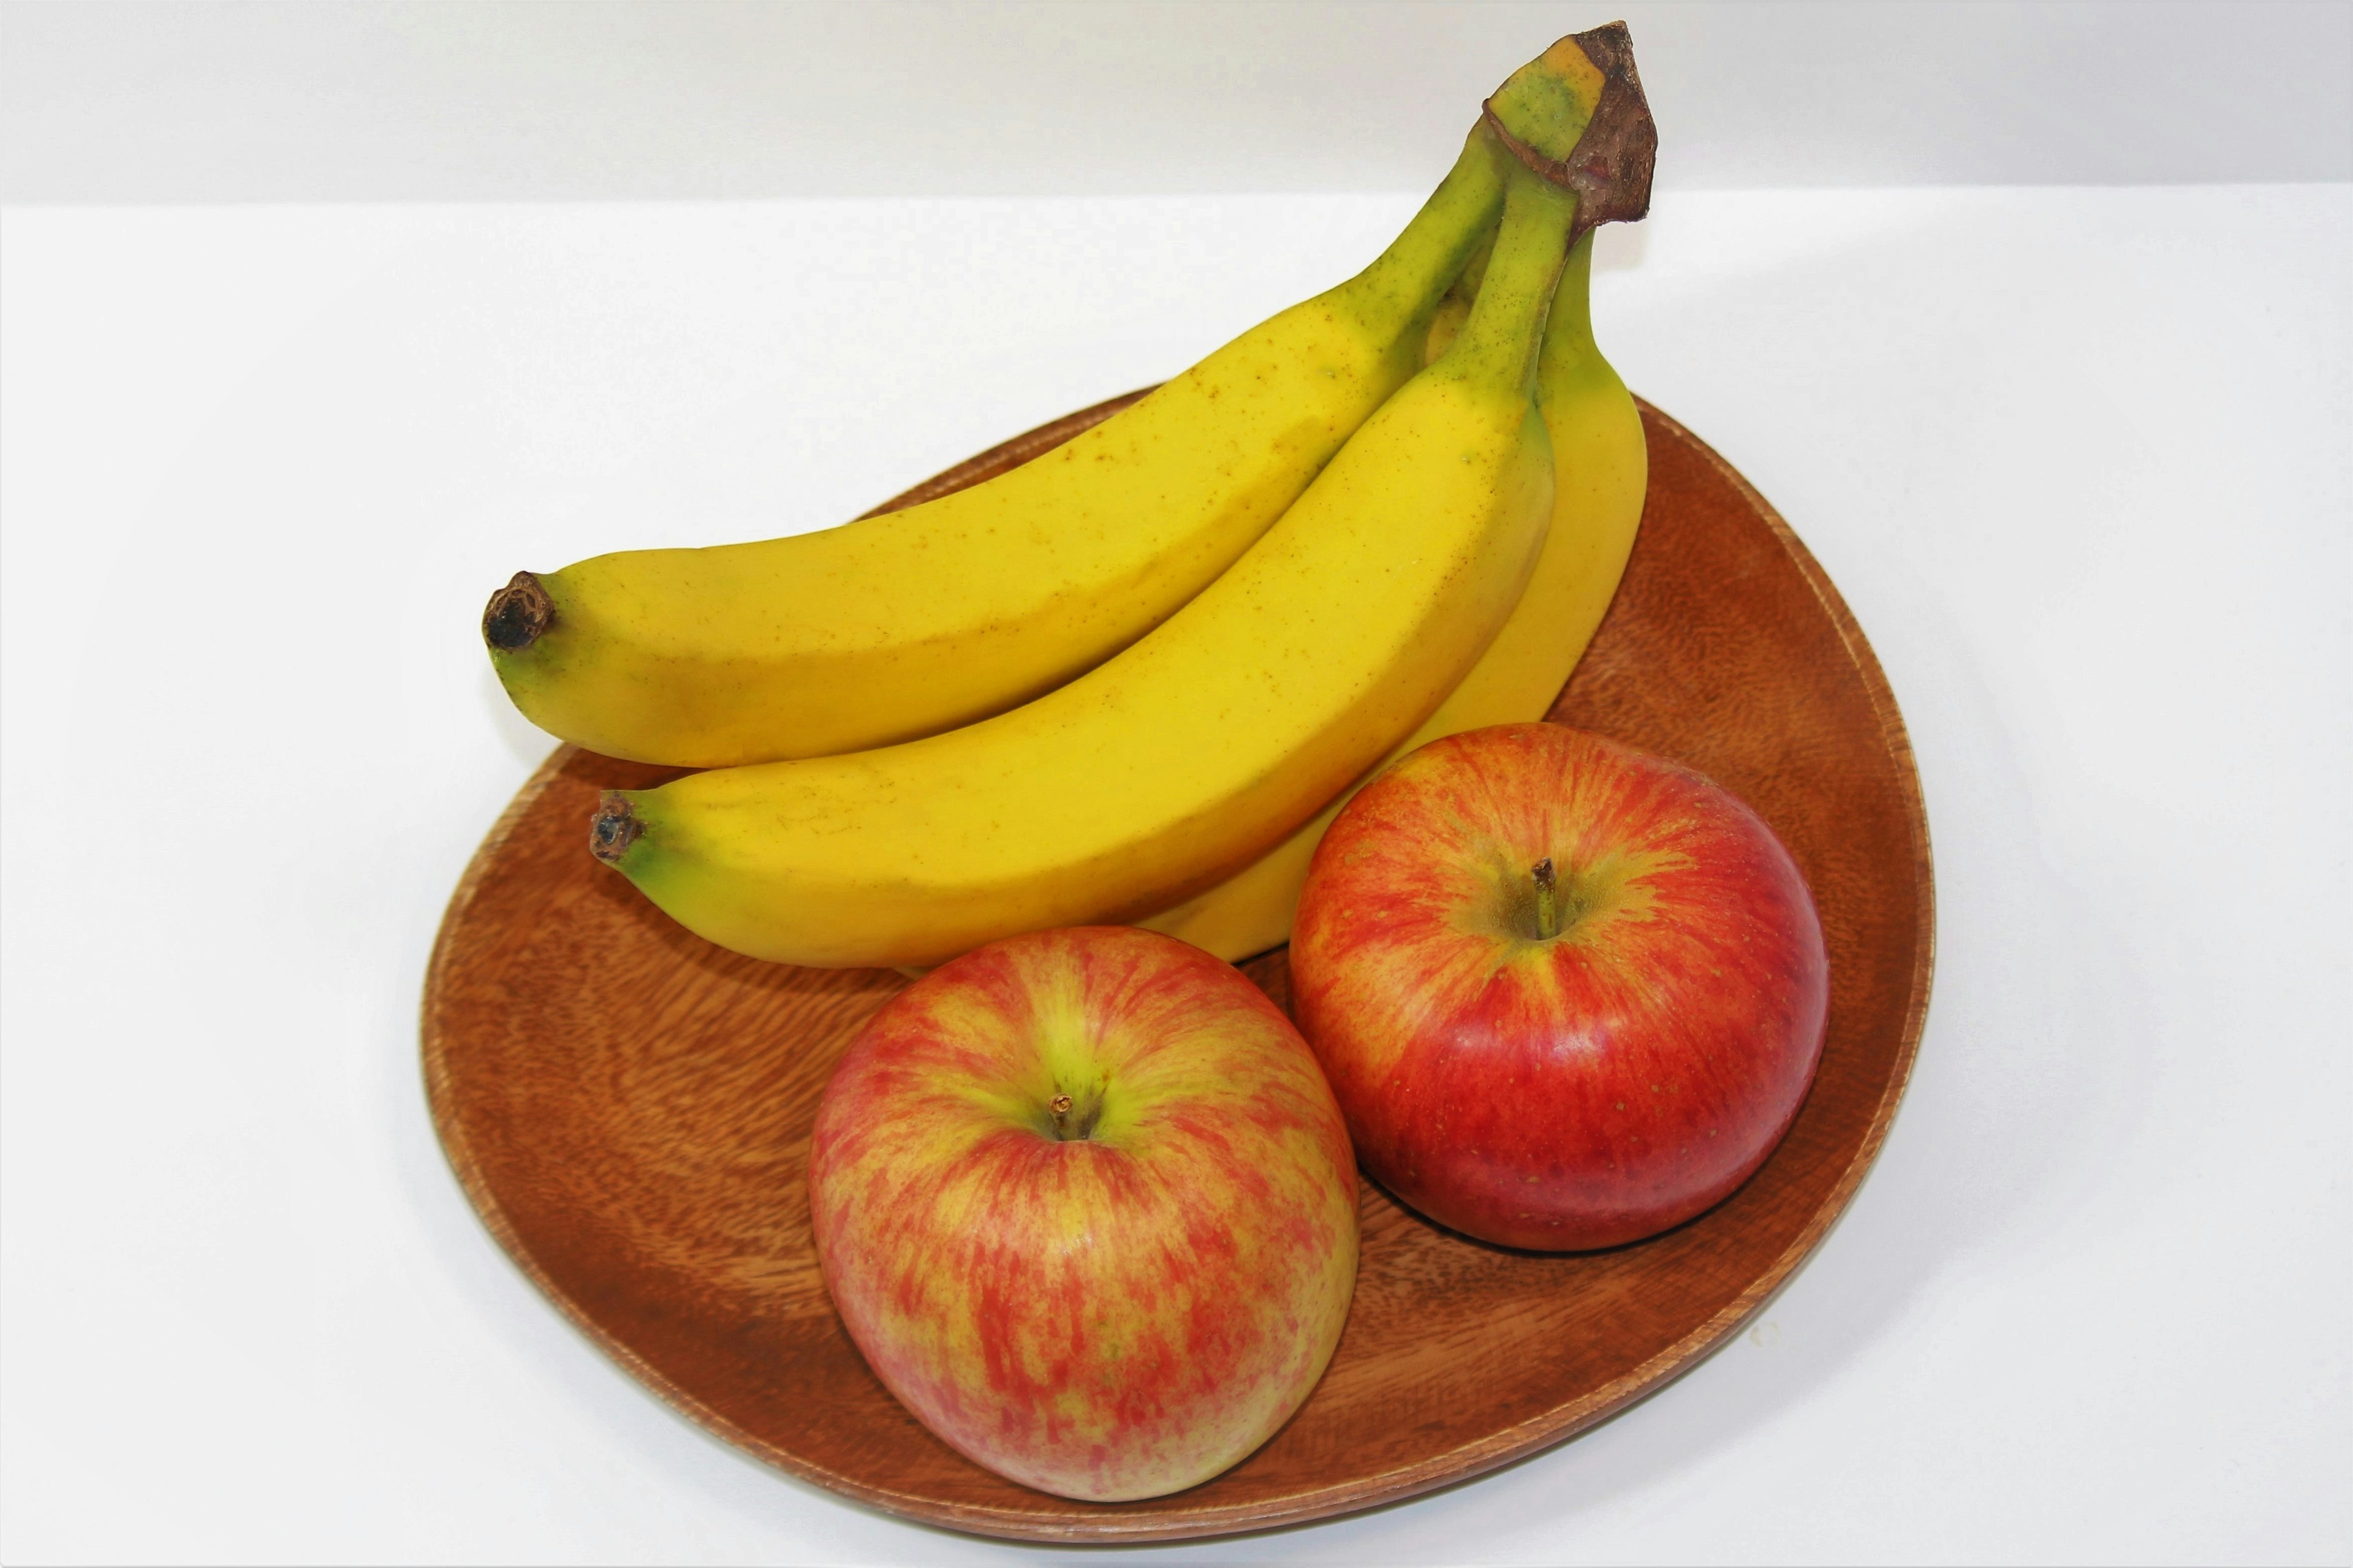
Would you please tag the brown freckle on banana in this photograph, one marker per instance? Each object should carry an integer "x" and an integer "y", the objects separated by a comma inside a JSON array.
[
  {"x": 518, "y": 615},
  {"x": 614, "y": 828}
]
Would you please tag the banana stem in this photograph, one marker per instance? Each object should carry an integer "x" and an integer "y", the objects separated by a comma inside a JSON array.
[
  {"x": 1547, "y": 904},
  {"x": 1499, "y": 343},
  {"x": 1577, "y": 116},
  {"x": 1408, "y": 276},
  {"x": 1569, "y": 329}
]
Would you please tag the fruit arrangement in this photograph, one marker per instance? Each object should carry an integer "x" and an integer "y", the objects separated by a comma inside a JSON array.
[{"x": 1260, "y": 650}]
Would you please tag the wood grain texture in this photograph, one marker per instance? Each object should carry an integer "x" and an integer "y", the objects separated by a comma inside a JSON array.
[{"x": 629, "y": 1108}]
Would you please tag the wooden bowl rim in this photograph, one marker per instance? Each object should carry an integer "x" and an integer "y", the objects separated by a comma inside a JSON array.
[{"x": 1358, "y": 1493}]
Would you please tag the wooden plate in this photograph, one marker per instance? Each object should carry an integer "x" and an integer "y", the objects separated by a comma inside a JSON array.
[{"x": 629, "y": 1107}]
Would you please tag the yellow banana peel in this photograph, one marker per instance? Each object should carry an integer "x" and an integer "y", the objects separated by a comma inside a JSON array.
[
  {"x": 913, "y": 622},
  {"x": 1196, "y": 750}
]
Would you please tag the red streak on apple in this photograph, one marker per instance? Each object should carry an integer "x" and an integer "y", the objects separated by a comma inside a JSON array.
[
  {"x": 1088, "y": 1208},
  {"x": 1567, "y": 1088}
]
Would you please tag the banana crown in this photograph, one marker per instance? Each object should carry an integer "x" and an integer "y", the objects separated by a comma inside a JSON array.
[
  {"x": 1576, "y": 115},
  {"x": 1550, "y": 100}
]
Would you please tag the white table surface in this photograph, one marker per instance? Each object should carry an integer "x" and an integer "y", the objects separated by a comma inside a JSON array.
[{"x": 2081, "y": 461}]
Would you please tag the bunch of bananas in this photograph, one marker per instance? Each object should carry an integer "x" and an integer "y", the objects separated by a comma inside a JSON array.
[{"x": 1133, "y": 679}]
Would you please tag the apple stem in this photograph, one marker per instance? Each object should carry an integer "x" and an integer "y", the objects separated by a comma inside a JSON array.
[
  {"x": 1548, "y": 908},
  {"x": 1071, "y": 1120}
]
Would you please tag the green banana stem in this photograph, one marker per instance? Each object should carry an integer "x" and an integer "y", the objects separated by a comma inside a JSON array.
[
  {"x": 1577, "y": 116},
  {"x": 1548, "y": 104},
  {"x": 1573, "y": 118},
  {"x": 1452, "y": 224},
  {"x": 1499, "y": 343},
  {"x": 1569, "y": 330}
]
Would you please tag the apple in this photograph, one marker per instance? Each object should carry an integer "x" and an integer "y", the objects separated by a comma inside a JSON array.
[
  {"x": 1087, "y": 1206},
  {"x": 1569, "y": 993}
]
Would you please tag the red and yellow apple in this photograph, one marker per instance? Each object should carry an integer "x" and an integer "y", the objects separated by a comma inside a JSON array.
[
  {"x": 1569, "y": 993},
  {"x": 1085, "y": 1203}
]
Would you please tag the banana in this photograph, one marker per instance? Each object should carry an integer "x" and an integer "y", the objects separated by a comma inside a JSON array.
[
  {"x": 1197, "y": 749},
  {"x": 1603, "y": 464},
  {"x": 1601, "y": 468},
  {"x": 911, "y": 623}
]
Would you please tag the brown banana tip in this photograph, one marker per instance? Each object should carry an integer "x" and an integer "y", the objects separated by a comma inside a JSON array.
[
  {"x": 1611, "y": 164},
  {"x": 519, "y": 614},
  {"x": 614, "y": 828}
]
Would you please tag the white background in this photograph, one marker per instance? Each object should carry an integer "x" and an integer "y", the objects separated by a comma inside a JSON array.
[
  {"x": 2081, "y": 459},
  {"x": 527, "y": 100}
]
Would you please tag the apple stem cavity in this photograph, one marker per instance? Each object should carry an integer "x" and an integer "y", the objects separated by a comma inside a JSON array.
[{"x": 1547, "y": 905}]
